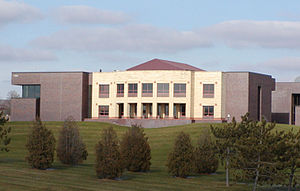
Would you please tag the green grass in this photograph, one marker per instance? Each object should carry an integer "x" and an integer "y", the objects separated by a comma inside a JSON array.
[{"x": 15, "y": 174}]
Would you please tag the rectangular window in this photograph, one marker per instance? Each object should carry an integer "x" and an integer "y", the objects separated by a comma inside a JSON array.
[
  {"x": 208, "y": 90},
  {"x": 179, "y": 90},
  {"x": 147, "y": 90},
  {"x": 162, "y": 90},
  {"x": 120, "y": 90},
  {"x": 103, "y": 90},
  {"x": 103, "y": 110},
  {"x": 208, "y": 111},
  {"x": 132, "y": 90},
  {"x": 31, "y": 91}
]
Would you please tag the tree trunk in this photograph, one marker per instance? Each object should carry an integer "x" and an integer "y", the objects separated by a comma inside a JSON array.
[
  {"x": 257, "y": 173},
  {"x": 227, "y": 167},
  {"x": 291, "y": 178}
]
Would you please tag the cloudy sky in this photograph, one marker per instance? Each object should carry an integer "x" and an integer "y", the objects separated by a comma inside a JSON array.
[{"x": 88, "y": 35}]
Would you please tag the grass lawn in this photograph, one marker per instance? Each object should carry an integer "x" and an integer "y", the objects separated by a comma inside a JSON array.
[{"x": 15, "y": 174}]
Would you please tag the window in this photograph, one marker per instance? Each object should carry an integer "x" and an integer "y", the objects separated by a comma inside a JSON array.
[
  {"x": 103, "y": 110},
  {"x": 103, "y": 91},
  {"x": 162, "y": 90},
  {"x": 208, "y": 111},
  {"x": 147, "y": 90},
  {"x": 31, "y": 91},
  {"x": 120, "y": 90},
  {"x": 132, "y": 90},
  {"x": 179, "y": 90},
  {"x": 208, "y": 90}
]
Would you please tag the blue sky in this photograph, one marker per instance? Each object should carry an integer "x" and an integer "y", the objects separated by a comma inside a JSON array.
[{"x": 84, "y": 35}]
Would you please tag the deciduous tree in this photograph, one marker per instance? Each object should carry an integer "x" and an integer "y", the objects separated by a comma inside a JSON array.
[{"x": 70, "y": 148}]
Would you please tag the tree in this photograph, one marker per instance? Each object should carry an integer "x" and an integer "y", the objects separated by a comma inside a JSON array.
[
  {"x": 256, "y": 152},
  {"x": 41, "y": 146},
  {"x": 108, "y": 158},
  {"x": 206, "y": 160},
  {"x": 181, "y": 159},
  {"x": 289, "y": 156},
  {"x": 135, "y": 150},
  {"x": 70, "y": 148},
  {"x": 4, "y": 133},
  {"x": 12, "y": 94},
  {"x": 225, "y": 140}
]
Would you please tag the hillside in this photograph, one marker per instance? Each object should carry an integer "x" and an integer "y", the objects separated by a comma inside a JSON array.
[{"x": 15, "y": 174}]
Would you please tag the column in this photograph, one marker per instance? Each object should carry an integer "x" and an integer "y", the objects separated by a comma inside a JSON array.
[
  {"x": 126, "y": 110},
  {"x": 139, "y": 110},
  {"x": 171, "y": 108},
  {"x": 154, "y": 110}
]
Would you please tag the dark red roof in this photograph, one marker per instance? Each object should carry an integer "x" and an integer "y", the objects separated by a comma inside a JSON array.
[{"x": 157, "y": 64}]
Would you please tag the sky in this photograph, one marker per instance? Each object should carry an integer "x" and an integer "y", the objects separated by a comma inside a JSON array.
[{"x": 88, "y": 35}]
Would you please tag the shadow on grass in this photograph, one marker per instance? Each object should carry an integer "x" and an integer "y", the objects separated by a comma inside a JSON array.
[
  {"x": 60, "y": 166},
  {"x": 11, "y": 160}
]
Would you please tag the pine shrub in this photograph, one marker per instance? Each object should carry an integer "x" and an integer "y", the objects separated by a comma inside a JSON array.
[
  {"x": 181, "y": 159},
  {"x": 206, "y": 160},
  {"x": 108, "y": 158},
  {"x": 71, "y": 149},
  {"x": 4, "y": 133},
  {"x": 41, "y": 146},
  {"x": 135, "y": 150}
]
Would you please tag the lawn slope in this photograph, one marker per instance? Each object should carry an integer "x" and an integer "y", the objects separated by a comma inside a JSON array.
[{"x": 15, "y": 174}]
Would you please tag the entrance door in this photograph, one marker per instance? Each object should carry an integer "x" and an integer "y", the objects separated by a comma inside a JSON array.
[{"x": 121, "y": 110}]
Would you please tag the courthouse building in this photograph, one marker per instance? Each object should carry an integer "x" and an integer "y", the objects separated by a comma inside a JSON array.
[{"x": 155, "y": 93}]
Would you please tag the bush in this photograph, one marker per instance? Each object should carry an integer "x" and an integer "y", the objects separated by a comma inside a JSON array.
[
  {"x": 41, "y": 146},
  {"x": 108, "y": 157},
  {"x": 70, "y": 148},
  {"x": 181, "y": 159},
  {"x": 206, "y": 160},
  {"x": 4, "y": 132},
  {"x": 135, "y": 150}
]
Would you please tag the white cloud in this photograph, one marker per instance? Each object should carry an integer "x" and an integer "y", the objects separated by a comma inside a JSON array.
[
  {"x": 81, "y": 14},
  {"x": 247, "y": 33},
  {"x": 142, "y": 38},
  {"x": 11, "y": 54},
  {"x": 13, "y": 11},
  {"x": 286, "y": 64}
]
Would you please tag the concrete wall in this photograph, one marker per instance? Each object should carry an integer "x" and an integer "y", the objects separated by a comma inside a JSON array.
[
  {"x": 242, "y": 94},
  {"x": 297, "y": 115},
  {"x": 237, "y": 94},
  {"x": 267, "y": 85},
  {"x": 282, "y": 101},
  {"x": 23, "y": 109},
  {"x": 63, "y": 94}
]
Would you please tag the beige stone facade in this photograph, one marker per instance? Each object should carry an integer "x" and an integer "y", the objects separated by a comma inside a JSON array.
[{"x": 188, "y": 106}]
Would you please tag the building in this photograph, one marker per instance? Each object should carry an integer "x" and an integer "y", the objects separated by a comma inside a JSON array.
[
  {"x": 52, "y": 96},
  {"x": 154, "y": 93},
  {"x": 286, "y": 103}
]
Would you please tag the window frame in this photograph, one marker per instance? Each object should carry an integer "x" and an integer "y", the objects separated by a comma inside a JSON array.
[
  {"x": 181, "y": 92},
  {"x": 210, "y": 114},
  {"x": 148, "y": 91},
  {"x": 132, "y": 92},
  {"x": 105, "y": 93},
  {"x": 208, "y": 92},
  {"x": 104, "y": 113},
  {"x": 164, "y": 92},
  {"x": 120, "y": 92}
]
